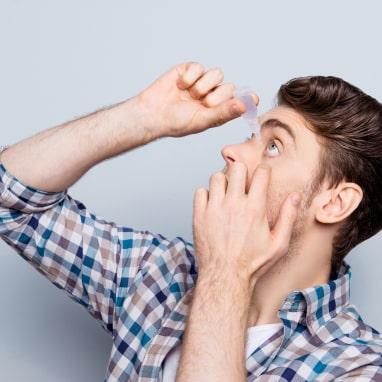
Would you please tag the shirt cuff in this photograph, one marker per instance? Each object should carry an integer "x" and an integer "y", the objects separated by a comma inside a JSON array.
[{"x": 18, "y": 196}]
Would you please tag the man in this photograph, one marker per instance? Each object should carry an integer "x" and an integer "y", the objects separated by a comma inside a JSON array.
[{"x": 264, "y": 294}]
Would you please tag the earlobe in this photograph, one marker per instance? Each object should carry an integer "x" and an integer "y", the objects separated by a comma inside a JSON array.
[{"x": 338, "y": 203}]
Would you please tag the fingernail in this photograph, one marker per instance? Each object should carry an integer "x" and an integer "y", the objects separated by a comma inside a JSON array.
[
  {"x": 296, "y": 199},
  {"x": 235, "y": 110}
]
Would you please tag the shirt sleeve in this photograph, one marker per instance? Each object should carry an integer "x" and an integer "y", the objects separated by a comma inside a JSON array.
[
  {"x": 93, "y": 260},
  {"x": 363, "y": 374}
]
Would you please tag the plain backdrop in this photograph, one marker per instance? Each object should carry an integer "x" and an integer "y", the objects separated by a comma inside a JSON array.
[{"x": 62, "y": 59}]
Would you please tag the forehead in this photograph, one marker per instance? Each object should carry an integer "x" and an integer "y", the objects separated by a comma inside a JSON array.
[
  {"x": 289, "y": 122},
  {"x": 287, "y": 116}
]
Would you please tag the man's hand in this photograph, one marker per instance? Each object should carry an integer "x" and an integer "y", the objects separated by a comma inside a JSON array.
[
  {"x": 188, "y": 100},
  {"x": 183, "y": 101},
  {"x": 234, "y": 246},
  {"x": 231, "y": 228}
]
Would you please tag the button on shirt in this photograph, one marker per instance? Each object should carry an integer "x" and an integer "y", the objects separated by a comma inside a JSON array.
[{"x": 139, "y": 286}]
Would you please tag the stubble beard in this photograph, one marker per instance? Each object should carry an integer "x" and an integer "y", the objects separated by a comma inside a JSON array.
[{"x": 274, "y": 202}]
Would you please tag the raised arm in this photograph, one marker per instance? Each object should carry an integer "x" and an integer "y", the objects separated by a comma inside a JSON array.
[
  {"x": 93, "y": 260},
  {"x": 185, "y": 100}
]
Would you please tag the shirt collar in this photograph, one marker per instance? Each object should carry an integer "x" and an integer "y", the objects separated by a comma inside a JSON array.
[{"x": 314, "y": 306}]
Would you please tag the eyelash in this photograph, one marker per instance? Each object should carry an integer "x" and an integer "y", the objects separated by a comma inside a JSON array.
[
  {"x": 275, "y": 145},
  {"x": 270, "y": 141}
]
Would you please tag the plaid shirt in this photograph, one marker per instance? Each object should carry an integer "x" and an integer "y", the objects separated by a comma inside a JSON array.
[{"x": 139, "y": 286}]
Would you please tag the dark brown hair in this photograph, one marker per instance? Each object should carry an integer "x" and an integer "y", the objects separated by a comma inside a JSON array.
[{"x": 349, "y": 125}]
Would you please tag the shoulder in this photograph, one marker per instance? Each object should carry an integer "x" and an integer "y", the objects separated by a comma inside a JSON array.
[
  {"x": 355, "y": 343},
  {"x": 351, "y": 325}
]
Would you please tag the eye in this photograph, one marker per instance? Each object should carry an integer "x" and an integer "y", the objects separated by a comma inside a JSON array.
[{"x": 272, "y": 149}]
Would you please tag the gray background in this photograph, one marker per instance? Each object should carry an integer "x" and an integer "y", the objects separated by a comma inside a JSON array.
[{"x": 62, "y": 59}]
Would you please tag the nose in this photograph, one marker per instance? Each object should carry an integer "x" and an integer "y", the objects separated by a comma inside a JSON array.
[{"x": 248, "y": 152}]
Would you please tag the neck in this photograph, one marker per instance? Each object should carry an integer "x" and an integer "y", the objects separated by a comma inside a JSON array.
[{"x": 307, "y": 266}]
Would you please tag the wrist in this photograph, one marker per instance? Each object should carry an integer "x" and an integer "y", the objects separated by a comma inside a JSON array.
[
  {"x": 216, "y": 331},
  {"x": 226, "y": 286},
  {"x": 227, "y": 276},
  {"x": 123, "y": 127},
  {"x": 147, "y": 121}
]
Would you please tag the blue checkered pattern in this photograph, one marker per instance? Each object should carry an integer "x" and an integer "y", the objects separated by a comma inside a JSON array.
[{"x": 139, "y": 286}]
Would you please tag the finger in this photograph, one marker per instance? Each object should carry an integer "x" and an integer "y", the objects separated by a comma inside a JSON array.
[
  {"x": 200, "y": 201},
  {"x": 256, "y": 98},
  {"x": 282, "y": 231},
  {"x": 218, "y": 186},
  {"x": 258, "y": 189},
  {"x": 237, "y": 178},
  {"x": 200, "y": 206},
  {"x": 220, "y": 94},
  {"x": 220, "y": 114},
  {"x": 188, "y": 74},
  {"x": 209, "y": 81},
  {"x": 245, "y": 95}
]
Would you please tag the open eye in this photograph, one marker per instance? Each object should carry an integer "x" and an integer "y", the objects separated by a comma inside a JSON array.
[{"x": 272, "y": 149}]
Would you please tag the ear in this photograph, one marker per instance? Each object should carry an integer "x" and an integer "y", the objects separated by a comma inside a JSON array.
[{"x": 338, "y": 203}]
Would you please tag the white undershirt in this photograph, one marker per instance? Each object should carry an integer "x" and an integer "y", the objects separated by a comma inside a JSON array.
[{"x": 256, "y": 335}]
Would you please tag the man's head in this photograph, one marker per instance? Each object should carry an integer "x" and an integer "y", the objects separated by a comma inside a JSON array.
[
  {"x": 348, "y": 124},
  {"x": 323, "y": 139}
]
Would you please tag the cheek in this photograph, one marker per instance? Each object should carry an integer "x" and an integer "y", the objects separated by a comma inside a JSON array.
[
  {"x": 291, "y": 176},
  {"x": 275, "y": 197},
  {"x": 282, "y": 178},
  {"x": 280, "y": 186},
  {"x": 277, "y": 192}
]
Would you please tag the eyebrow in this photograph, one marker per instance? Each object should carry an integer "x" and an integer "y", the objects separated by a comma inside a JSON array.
[{"x": 276, "y": 123}]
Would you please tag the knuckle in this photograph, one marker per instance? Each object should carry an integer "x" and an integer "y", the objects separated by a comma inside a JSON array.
[
  {"x": 217, "y": 177},
  {"x": 197, "y": 66},
  {"x": 210, "y": 100},
  {"x": 217, "y": 73},
  {"x": 219, "y": 94},
  {"x": 193, "y": 67},
  {"x": 196, "y": 90},
  {"x": 229, "y": 88}
]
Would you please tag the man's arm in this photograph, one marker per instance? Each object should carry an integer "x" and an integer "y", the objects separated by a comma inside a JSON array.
[
  {"x": 183, "y": 101},
  {"x": 234, "y": 247},
  {"x": 91, "y": 259}
]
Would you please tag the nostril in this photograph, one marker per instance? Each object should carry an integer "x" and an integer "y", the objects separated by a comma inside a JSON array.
[
  {"x": 228, "y": 154},
  {"x": 229, "y": 159}
]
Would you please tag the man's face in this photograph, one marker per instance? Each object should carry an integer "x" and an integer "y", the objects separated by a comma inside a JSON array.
[{"x": 289, "y": 148}]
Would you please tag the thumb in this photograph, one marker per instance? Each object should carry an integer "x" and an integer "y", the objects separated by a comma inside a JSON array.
[
  {"x": 282, "y": 231},
  {"x": 221, "y": 113}
]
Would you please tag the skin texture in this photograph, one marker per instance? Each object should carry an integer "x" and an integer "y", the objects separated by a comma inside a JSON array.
[
  {"x": 260, "y": 232},
  {"x": 254, "y": 227},
  {"x": 191, "y": 101}
]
